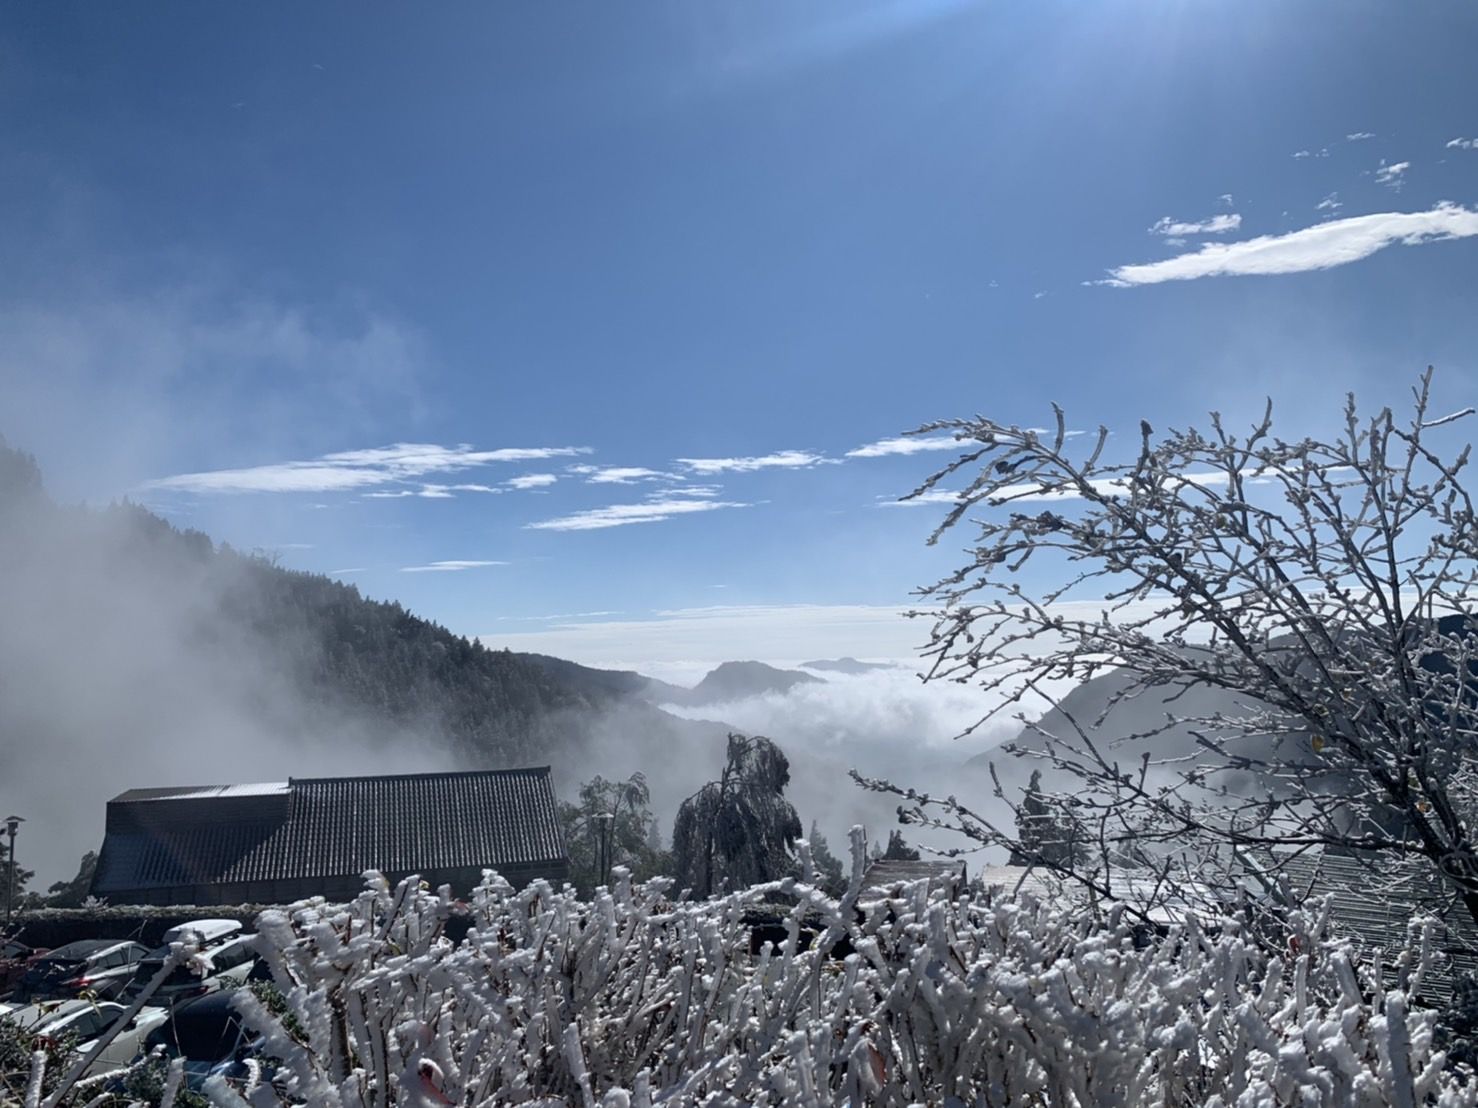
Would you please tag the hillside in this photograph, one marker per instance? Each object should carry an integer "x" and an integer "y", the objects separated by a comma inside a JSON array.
[{"x": 135, "y": 653}]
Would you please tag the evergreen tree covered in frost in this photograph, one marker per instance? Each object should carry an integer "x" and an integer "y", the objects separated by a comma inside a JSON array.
[{"x": 738, "y": 830}]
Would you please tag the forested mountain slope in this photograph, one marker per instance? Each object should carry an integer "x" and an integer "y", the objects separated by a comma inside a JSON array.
[{"x": 133, "y": 653}]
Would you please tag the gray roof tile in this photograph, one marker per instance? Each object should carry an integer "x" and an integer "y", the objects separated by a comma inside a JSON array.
[{"x": 330, "y": 827}]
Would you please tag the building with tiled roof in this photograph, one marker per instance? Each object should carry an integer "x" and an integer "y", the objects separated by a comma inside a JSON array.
[{"x": 279, "y": 842}]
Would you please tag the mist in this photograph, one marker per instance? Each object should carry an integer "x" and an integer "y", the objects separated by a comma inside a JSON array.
[
  {"x": 885, "y": 723},
  {"x": 128, "y": 659}
]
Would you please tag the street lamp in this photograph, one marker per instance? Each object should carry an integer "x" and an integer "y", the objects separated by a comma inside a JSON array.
[
  {"x": 607, "y": 821},
  {"x": 12, "y": 824}
]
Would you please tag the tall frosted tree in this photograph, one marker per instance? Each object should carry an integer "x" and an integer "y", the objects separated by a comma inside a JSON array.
[
  {"x": 1292, "y": 618},
  {"x": 737, "y": 831}
]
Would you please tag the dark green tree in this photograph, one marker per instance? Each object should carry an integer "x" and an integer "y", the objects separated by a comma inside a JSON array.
[
  {"x": 611, "y": 824},
  {"x": 898, "y": 849},
  {"x": 71, "y": 894},
  {"x": 831, "y": 875},
  {"x": 22, "y": 876},
  {"x": 1047, "y": 833},
  {"x": 737, "y": 831}
]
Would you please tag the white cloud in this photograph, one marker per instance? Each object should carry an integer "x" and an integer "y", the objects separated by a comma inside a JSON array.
[
  {"x": 427, "y": 492},
  {"x": 561, "y": 617},
  {"x": 907, "y": 445},
  {"x": 621, "y": 475},
  {"x": 1215, "y": 225},
  {"x": 1321, "y": 153},
  {"x": 652, "y": 510},
  {"x": 532, "y": 481},
  {"x": 684, "y": 643},
  {"x": 355, "y": 469},
  {"x": 784, "y": 459},
  {"x": 1028, "y": 494},
  {"x": 933, "y": 496},
  {"x": 454, "y": 566},
  {"x": 1322, "y": 246},
  {"x": 1392, "y": 175},
  {"x": 1226, "y": 198},
  {"x": 1462, "y": 144},
  {"x": 1330, "y": 204},
  {"x": 1359, "y": 136}
]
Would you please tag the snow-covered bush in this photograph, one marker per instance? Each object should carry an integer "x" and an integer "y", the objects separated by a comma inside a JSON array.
[{"x": 631, "y": 1000}]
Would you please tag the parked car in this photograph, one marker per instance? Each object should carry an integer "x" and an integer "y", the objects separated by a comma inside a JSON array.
[
  {"x": 88, "y": 1020},
  {"x": 208, "y": 1034},
  {"x": 206, "y": 933},
  {"x": 100, "y": 967},
  {"x": 219, "y": 967},
  {"x": 15, "y": 957}
]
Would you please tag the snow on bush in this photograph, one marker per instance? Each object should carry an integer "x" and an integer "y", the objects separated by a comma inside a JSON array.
[{"x": 632, "y": 999}]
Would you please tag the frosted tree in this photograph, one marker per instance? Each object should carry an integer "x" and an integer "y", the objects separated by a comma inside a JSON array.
[
  {"x": 738, "y": 830},
  {"x": 611, "y": 825},
  {"x": 1319, "y": 584}
]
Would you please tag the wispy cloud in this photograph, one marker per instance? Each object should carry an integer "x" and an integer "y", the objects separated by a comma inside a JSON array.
[
  {"x": 358, "y": 469},
  {"x": 455, "y": 566},
  {"x": 1463, "y": 144},
  {"x": 784, "y": 459},
  {"x": 908, "y": 445},
  {"x": 621, "y": 475},
  {"x": 532, "y": 481},
  {"x": 1215, "y": 225},
  {"x": 1320, "y": 153},
  {"x": 933, "y": 496},
  {"x": 559, "y": 616},
  {"x": 654, "y": 509},
  {"x": 1330, "y": 204},
  {"x": 1359, "y": 136},
  {"x": 429, "y": 492},
  {"x": 1322, "y": 246},
  {"x": 1392, "y": 176}
]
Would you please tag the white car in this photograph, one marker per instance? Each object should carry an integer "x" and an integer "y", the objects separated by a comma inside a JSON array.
[
  {"x": 88, "y": 1020},
  {"x": 206, "y": 932}
]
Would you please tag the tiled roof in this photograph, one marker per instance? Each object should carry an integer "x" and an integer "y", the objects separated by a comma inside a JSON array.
[
  {"x": 885, "y": 873},
  {"x": 330, "y": 827},
  {"x": 1374, "y": 905}
]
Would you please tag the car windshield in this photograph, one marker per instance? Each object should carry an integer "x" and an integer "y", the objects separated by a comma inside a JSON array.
[
  {"x": 207, "y": 1037},
  {"x": 72, "y": 953}
]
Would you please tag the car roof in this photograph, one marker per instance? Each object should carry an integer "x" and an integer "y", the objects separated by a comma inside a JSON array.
[
  {"x": 82, "y": 948},
  {"x": 207, "y": 929},
  {"x": 33, "y": 1015}
]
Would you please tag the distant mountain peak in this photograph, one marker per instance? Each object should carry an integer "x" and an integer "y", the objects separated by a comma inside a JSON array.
[{"x": 848, "y": 665}]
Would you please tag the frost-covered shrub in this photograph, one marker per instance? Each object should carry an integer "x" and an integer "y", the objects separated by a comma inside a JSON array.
[{"x": 631, "y": 999}]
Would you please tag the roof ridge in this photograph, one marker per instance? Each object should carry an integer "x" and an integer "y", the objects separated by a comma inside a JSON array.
[{"x": 505, "y": 772}]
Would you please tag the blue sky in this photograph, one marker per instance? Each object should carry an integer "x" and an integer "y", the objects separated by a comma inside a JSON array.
[{"x": 251, "y": 249}]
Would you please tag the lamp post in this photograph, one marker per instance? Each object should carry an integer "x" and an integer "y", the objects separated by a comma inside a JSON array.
[
  {"x": 12, "y": 824},
  {"x": 607, "y": 821}
]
